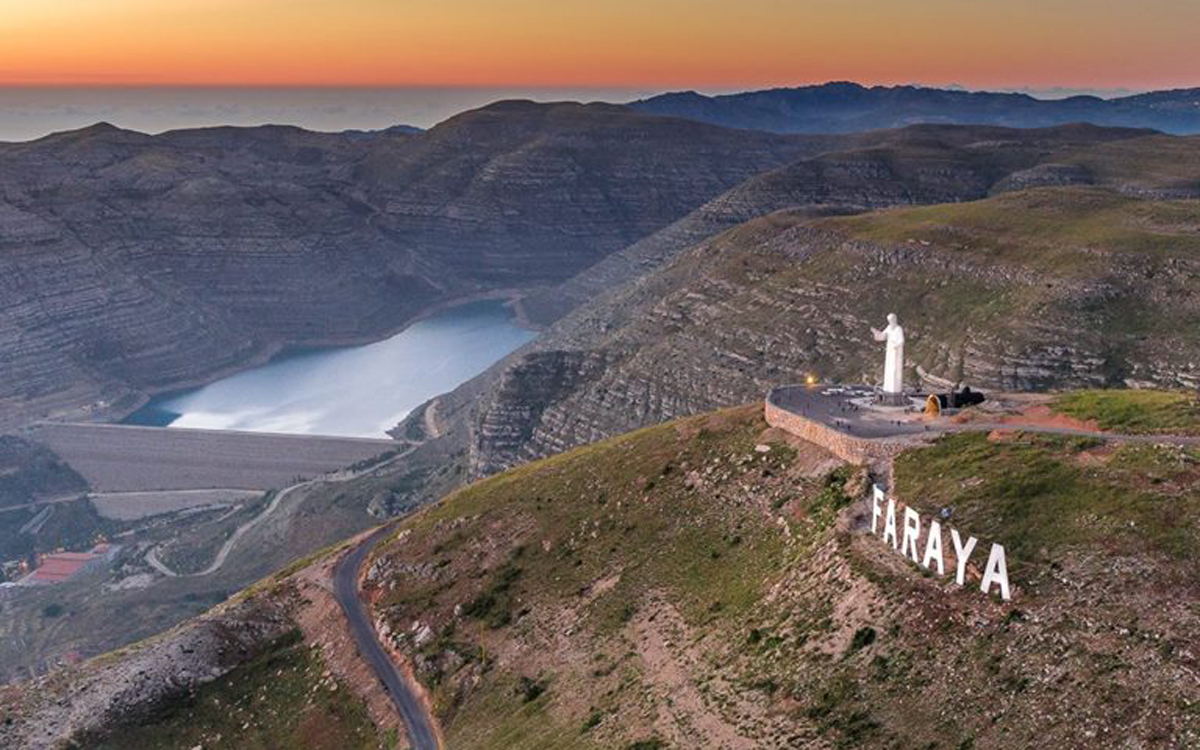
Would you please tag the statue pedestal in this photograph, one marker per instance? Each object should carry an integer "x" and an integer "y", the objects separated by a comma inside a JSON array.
[{"x": 883, "y": 398}]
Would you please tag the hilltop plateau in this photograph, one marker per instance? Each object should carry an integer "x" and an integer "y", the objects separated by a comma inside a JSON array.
[{"x": 712, "y": 582}]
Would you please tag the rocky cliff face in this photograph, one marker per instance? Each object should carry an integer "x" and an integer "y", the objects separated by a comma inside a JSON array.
[
  {"x": 920, "y": 164},
  {"x": 1012, "y": 292},
  {"x": 131, "y": 262}
]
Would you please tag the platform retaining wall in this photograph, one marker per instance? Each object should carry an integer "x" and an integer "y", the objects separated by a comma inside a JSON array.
[{"x": 875, "y": 452}]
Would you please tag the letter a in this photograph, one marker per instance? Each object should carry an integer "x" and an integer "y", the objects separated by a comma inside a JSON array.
[
  {"x": 997, "y": 571},
  {"x": 962, "y": 553},
  {"x": 876, "y": 511},
  {"x": 933, "y": 548},
  {"x": 889, "y": 526},
  {"x": 912, "y": 531}
]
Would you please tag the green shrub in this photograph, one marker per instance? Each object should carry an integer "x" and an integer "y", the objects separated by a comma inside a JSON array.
[
  {"x": 531, "y": 689},
  {"x": 863, "y": 637}
]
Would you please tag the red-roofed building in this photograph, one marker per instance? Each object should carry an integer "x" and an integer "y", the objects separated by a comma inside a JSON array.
[{"x": 59, "y": 566}]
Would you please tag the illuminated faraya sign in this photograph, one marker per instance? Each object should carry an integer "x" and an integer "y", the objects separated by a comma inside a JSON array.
[{"x": 905, "y": 539}]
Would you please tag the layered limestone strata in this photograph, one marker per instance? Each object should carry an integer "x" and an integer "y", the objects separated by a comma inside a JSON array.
[
  {"x": 788, "y": 296},
  {"x": 131, "y": 263}
]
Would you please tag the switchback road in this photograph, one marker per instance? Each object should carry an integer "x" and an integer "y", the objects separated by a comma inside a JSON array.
[{"x": 338, "y": 476}]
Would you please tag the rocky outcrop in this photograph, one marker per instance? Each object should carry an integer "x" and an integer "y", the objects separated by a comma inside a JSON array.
[
  {"x": 1045, "y": 175},
  {"x": 119, "y": 688},
  {"x": 506, "y": 430}
]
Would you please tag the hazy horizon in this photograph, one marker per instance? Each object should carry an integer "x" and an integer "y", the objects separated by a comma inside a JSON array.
[{"x": 30, "y": 112}]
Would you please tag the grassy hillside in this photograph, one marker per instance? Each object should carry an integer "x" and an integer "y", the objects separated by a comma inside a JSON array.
[
  {"x": 1133, "y": 412},
  {"x": 1059, "y": 228},
  {"x": 554, "y": 567},
  {"x": 1156, "y": 165},
  {"x": 709, "y": 583}
]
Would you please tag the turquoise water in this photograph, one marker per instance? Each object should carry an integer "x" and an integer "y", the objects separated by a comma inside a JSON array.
[{"x": 359, "y": 391}]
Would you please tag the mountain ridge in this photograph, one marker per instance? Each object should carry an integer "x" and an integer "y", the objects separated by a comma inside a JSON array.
[{"x": 844, "y": 106}]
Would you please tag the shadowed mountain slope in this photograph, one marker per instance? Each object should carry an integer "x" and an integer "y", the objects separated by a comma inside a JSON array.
[
  {"x": 848, "y": 107},
  {"x": 918, "y": 164},
  {"x": 131, "y": 262}
]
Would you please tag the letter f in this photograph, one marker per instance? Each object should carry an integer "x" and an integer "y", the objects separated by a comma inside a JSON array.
[{"x": 876, "y": 510}]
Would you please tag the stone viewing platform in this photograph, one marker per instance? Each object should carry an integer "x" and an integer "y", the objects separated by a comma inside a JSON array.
[
  {"x": 848, "y": 421},
  {"x": 867, "y": 425},
  {"x": 859, "y": 423}
]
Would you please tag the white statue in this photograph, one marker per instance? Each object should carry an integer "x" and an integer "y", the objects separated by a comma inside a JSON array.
[{"x": 893, "y": 368}]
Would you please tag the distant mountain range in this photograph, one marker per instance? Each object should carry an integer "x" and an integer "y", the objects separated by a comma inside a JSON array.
[{"x": 849, "y": 107}]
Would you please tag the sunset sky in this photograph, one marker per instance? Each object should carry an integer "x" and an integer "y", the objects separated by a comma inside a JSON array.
[{"x": 696, "y": 43}]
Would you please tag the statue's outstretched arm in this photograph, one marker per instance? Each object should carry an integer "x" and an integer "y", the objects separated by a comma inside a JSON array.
[{"x": 879, "y": 335}]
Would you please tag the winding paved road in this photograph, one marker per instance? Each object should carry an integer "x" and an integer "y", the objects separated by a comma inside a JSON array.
[
  {"x": 345, "y": 588},
  {"x": 339, "y": 476}
]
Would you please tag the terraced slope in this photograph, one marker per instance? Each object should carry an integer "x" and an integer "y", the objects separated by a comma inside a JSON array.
[
  {"x": 131, "y": 262},
  {"x": 1078, "y": 271},
  {"x": 913, "y": 165}
]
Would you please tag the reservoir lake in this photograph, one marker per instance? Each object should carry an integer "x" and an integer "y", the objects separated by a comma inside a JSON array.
[{"x": 356, "y": 391}]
